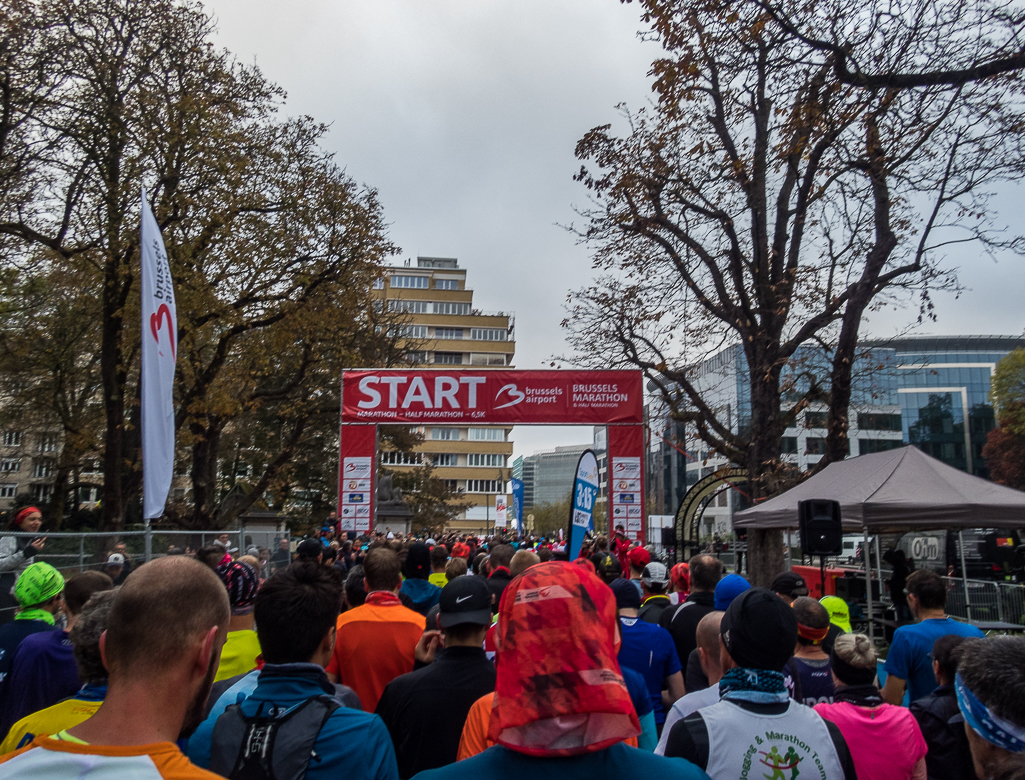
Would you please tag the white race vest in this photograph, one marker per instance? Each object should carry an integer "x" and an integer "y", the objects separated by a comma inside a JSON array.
[{"x": 792, "y": 746}]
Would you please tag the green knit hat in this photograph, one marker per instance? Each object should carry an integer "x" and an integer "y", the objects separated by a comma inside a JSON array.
[{"x": 40, "y": 582}]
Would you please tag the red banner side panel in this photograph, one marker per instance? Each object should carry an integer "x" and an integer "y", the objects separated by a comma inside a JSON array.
[
  {"x": 492, "y": 397},
  {"x": 357, "y": 469},
  {"x": 626, "y": 479}
]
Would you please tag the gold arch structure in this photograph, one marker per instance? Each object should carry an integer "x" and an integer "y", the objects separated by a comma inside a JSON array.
[{"x": 690, "y": 507}]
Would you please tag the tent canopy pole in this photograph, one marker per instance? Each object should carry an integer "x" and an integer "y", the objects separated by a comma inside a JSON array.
[
  {"x": 964, "y": 575},
  {"x": 866, "y": 556}
]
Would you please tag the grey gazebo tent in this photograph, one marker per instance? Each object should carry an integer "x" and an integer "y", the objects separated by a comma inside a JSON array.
[{"x": 897, "y": 490}]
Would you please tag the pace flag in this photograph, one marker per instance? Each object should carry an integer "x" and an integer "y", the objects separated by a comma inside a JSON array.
[
  {"x": 159, "y": 351},
  {"x": 585, "y": 492},
  {"x": 517, "y": 494}
]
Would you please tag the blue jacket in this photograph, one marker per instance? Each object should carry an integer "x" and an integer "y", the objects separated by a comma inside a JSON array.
[
  {"x": 352, "y": 743},
  {"x": 423, "y": 594}
]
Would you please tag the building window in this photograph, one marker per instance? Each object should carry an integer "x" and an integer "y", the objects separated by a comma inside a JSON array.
[
  {"x": 8, "y": 491},
  {"x": 12, "y": 438},
  {"x": 91, "y": 467},
  {"x": 451, "y": 485},
  {"x": 816, "y": 419},
  {"x": 396, "y": 458},
  {"x": 868, "y": 446},
  {"x": 484, "y": 486},
  {"x": 42, "y": 469},
  {"x": 449, "y": 358},
  {"x": 788, "y": 445},
  {"x": 444, "y": 459},
  {"x": 48, "y": 442},
  {"x": 814, "y": 445},
  {"x": 448, "y": 333},
  {"x": 879, "y": 422},
  {"x": 416, "y": 356},
  {"x": 10, "y": 465},
  {"x": 445, "y": 434},
  {"x": 488, "y": 334},
  {"x": 485, "y": 459},
  {"x": 411, "y": 282},
  {"x": 446, "y": 284},
  {"x": 41, "y": 492},
  {"x": 408, "y": 331},
  {"x": 410, "y": 307},
  {"x": 378, "y": 284},
  {"x": 486, "y": 434},
  {"x": 486, "y": 359},
  {"x": 450, "y": 307}
]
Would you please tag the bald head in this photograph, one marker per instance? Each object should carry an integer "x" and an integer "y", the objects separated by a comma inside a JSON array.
[
  {"x": 161, "y": 609},
  {"x": 709, "y": 651},
  {"x": 707, "y": 633}
]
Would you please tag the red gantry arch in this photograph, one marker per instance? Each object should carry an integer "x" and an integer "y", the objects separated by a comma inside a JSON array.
[{"x": 371, "y": 397}]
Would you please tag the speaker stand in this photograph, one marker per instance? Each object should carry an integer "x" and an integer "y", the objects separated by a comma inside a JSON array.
[{"x": 822, "y": 575}]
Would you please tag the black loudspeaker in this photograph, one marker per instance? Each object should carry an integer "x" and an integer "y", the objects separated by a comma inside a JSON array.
[
  {"x": 669, "y": 537},
  {"x": 821, "y": 530}
]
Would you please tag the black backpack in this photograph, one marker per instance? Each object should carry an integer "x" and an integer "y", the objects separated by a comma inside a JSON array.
[{"x": 272, "y": 745}]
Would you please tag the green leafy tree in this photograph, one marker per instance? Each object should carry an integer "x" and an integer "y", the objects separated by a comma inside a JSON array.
[
  {"x": 1007, "y": 392},
  {"x": 549, "y": 517},
  {"x": 1005, "y": 445},
  {"x": 273, "y": 249}
]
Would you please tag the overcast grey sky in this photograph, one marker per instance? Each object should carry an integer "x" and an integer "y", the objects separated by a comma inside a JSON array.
[{"x": 464, "y": 115}]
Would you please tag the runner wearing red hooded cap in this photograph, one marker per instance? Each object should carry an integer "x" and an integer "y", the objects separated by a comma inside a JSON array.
[
  {"x": 637, "y": 559},
  {"x": 561, "y": 708}
]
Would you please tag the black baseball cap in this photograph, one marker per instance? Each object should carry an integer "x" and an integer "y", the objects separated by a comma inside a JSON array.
[
  {"x": 759, "y": 630},
  {"x": 789, "y": 583},
  {"x": 465, "y": 600},
  {"x": 309, "y": 549}
]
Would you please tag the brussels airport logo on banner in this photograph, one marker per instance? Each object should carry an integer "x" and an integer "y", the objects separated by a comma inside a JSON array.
[{"x": 515, "y": 394}]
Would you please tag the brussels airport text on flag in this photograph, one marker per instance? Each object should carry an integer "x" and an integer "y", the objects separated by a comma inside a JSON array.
[{"x": 159, "y": 351}]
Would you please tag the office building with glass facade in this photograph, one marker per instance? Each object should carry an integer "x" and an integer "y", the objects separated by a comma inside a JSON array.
[
  {"x": 930, "y": 391},
  {"x": 943, "y": 384}
]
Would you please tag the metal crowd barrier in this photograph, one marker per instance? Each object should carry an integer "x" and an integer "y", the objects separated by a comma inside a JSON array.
[
  {"x": 984, "y": 600},
  {"x": 74, "y": 552}
]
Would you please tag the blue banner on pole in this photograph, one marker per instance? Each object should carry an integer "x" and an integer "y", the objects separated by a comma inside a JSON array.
[
  {"x": 517, "y": 494},
  {"x": 585, "y": 493}
]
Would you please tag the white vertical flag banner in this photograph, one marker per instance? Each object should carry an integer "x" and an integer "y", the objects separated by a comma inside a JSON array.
[{"x": 159, "y": 350}]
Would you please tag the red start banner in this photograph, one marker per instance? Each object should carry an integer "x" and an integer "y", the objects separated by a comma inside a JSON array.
[{"x": 492, "y": 397}]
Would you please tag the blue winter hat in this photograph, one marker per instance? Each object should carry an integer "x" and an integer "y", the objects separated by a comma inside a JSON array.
[
  {"x": 729, "y": 587},
  {"x": 628, "y": 596}
]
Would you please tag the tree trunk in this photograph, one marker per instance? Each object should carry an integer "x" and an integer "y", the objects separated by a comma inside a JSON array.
[
  {"x": 204, "y": 472},
  {"x": 113, "y": 407},
  {"x": 764, "y": 547}
]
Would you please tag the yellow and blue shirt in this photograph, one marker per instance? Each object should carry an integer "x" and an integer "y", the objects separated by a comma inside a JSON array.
[{"x": 61, "y": 716}]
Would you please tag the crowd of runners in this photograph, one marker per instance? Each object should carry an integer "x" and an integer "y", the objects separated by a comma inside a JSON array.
[{"x": 383, "y": 657}]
